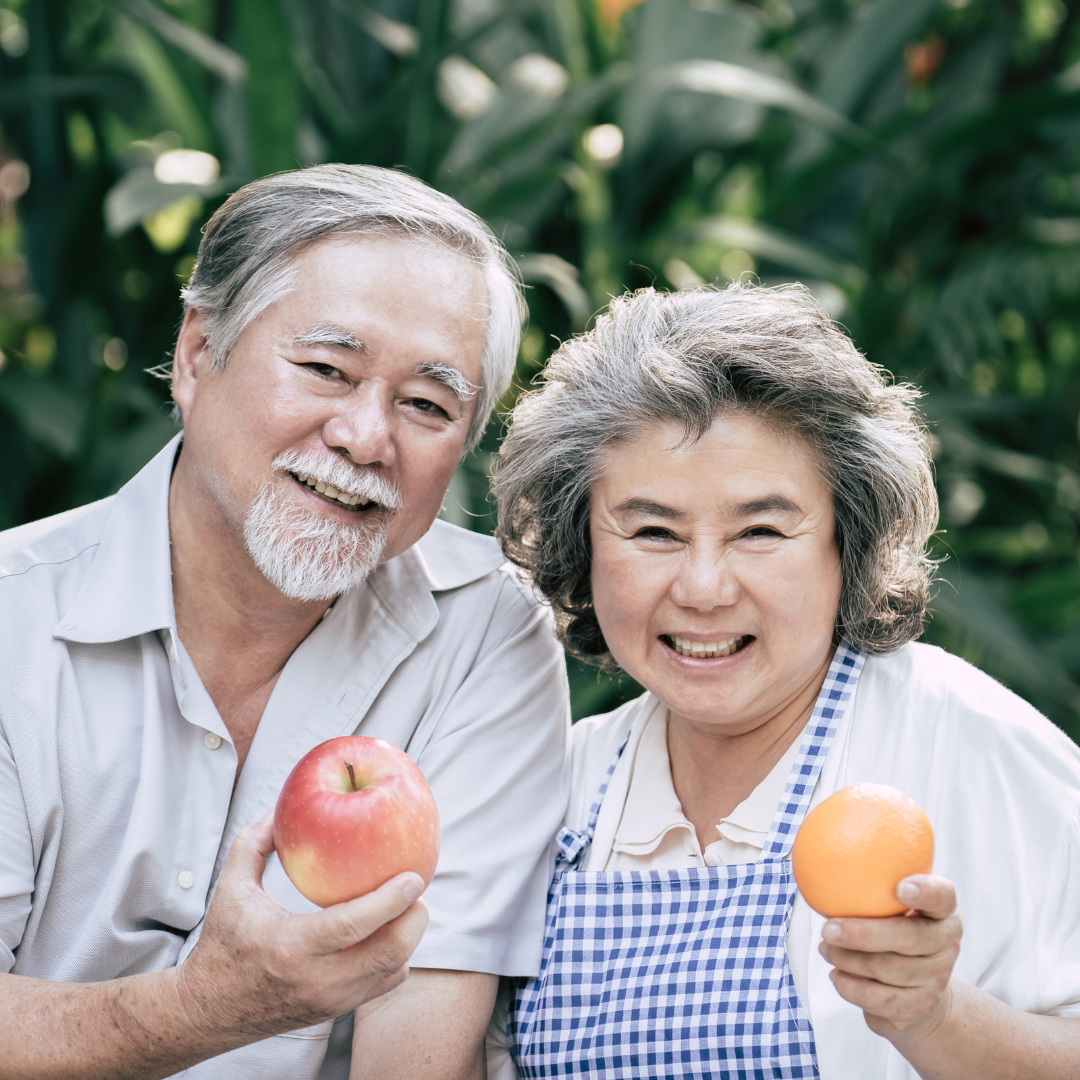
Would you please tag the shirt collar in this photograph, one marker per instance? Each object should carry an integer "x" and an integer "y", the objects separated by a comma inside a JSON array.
[
  {"x": 751, "y": 820},
  {"x": 128, "y": 590},
  {"x": 652, "y": 807},
  {"x": 451, "y": 557}
]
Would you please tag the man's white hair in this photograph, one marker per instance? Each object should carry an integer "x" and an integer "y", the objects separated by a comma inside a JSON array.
[{"x": 247, "y": 255}]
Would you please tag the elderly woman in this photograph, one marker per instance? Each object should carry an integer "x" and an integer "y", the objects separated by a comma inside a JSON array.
[{"x": 720, "y": 496}]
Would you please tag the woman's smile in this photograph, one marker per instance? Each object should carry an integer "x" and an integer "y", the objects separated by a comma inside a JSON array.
[{"x": 705, "y": 646}]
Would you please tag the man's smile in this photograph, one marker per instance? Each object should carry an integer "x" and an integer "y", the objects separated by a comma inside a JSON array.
[{"x": 332, "y": 495}]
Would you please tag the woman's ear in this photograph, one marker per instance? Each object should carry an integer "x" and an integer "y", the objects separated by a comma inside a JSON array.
[{"x": 191, "y": 359}]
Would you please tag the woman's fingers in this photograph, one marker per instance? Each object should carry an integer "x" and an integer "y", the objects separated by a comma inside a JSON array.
[
  {"x": 899, "y": 1007},
  {"x": 892, "y": 968},
  {"x": 934, "y": 926},
  {"x": 898, "y": 970},
  {"x": 932, "y": 897},
  {"x": 909, "y": 936}
]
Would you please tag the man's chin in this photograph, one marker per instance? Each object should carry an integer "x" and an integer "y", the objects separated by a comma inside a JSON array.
[
  {"x": 309, "y": 556},
  {"x": 312, "y": 580}
]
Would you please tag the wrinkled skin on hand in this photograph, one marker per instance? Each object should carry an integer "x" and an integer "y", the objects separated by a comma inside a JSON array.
[
  {"x": 899, "y": 970},
  {"x": 261, "y": 970}
]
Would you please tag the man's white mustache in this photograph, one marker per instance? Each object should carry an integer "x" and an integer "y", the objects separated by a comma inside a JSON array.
[{"x": 340, "y": 474}]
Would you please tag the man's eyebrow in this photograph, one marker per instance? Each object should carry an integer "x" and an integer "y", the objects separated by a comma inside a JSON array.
[
  {"x": 647, "y": 506},
  {"x": 451, "y": 378},
  {"x": 779, "y": 503},
  {"x": 333, "y": 336}
]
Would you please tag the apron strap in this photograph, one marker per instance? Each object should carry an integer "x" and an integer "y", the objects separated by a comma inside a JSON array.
[
  {"x": 573, "y": 842},
  {"x": 830, "y": 708}
]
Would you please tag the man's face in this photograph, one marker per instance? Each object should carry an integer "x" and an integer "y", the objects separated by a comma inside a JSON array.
[{"x": 359, "y": 381}]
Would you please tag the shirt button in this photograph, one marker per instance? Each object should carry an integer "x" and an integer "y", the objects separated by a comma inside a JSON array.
[
  {"x": 185, "y": 879},
  {"x": 212, "y": 741}
]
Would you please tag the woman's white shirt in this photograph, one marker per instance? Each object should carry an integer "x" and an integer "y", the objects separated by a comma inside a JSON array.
[{"x": 1000, "y": 784}]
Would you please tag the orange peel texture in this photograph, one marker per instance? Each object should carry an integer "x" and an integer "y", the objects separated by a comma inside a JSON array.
[{"x": 854, "y": 848}]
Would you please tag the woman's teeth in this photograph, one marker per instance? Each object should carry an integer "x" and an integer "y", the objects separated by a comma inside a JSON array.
[
  {"x": 701, "y": 650},
  {"x": 340, "y": 497}
]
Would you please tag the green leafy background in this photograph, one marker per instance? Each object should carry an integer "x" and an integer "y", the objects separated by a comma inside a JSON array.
[{"x": 916, "y": 162}]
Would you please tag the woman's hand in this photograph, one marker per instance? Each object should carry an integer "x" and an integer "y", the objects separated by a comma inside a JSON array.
[{"x": 899, "y": 970}]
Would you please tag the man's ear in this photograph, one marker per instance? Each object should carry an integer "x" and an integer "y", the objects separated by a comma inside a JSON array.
[{"x": 191, "y": 360}]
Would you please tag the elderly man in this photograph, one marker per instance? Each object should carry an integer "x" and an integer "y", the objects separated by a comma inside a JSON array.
[{"x": 274, "y": 580}]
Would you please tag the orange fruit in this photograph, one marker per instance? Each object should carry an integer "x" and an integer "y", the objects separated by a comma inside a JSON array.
[{"x": 855, "y": 847}]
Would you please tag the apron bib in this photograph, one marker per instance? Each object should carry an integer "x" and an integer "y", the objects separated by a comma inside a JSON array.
[{"x": 677, "y": 973}]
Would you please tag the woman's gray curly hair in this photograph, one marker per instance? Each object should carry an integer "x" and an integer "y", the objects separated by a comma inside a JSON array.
[{"x": 686, "y": 357}]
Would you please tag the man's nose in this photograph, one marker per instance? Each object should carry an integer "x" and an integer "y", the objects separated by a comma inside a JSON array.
[
  {"x": 362, "y": 427},
  {"x": 705, "y": 581}
]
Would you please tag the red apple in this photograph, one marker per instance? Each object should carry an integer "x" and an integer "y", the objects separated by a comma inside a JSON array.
[{"x": 354, "y": 813}]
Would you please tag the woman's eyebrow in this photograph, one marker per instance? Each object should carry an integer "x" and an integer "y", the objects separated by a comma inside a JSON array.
[
  {"x": 780, "y": 503},
  {"x": 647, "y": 506}
]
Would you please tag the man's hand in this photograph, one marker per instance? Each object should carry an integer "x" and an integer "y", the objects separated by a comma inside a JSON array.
[
  {"x": 259, "y": 970},
  {"x": 899, "y": 970}
]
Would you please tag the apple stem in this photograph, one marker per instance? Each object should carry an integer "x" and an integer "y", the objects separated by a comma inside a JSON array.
[{"x": 352, "y": 775}]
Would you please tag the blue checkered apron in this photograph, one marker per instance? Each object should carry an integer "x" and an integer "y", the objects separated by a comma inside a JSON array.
[{"x": 678, "y": 973}]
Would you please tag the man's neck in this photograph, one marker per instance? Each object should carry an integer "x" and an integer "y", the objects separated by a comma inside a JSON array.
[{"x": 238, "y": 629}]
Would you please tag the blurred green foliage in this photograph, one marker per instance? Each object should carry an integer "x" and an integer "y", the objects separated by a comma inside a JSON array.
[{"x": 916, "y": 162}]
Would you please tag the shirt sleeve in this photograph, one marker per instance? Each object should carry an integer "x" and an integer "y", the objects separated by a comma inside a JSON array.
[
  {"x": 498, "y": 766},
  {"x": 1058, "y": 942},
  {"x": 16, "y": 860}
]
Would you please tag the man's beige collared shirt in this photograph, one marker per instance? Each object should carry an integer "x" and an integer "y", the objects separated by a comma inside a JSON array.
[{"x": 117, "y": 806}]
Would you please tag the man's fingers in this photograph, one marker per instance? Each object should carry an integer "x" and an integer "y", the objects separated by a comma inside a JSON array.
[
  {"x": 343, "y": 925},
  {"x": 932, "y": 897},
  {"x": 247, "y": 856}
]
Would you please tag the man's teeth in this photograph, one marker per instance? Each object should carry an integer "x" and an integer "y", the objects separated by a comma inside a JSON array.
[
  {"x": 706, "y": 649},
  {"x": 328, "y": 492}
]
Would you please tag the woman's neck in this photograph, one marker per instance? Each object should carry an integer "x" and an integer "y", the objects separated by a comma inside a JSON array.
[{"x": 714, "y": 771}]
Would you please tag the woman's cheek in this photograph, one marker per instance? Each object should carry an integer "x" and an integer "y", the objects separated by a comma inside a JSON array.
[{"x": 622, "y": 598}]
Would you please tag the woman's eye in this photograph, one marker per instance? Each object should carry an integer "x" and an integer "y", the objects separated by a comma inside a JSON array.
[
  {"x": 653, "y": 532},
  {"x": 762, "y": 531}
]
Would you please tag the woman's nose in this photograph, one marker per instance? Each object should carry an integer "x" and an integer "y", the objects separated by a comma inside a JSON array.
[
  {"x": 705, "y": 582},
  {"x": 362, "y": 427}
]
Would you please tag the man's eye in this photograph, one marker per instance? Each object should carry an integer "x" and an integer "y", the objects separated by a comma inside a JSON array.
[
  {"x": 327, "y": 371},
  {"x": 428, "y": 407}
]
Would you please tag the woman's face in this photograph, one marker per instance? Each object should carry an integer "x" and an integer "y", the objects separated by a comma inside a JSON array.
[{"x": 728, "y": 543}]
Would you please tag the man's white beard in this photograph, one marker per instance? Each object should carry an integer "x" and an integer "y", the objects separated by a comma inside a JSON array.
[{"x": 308, "y": 555}]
